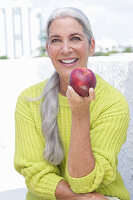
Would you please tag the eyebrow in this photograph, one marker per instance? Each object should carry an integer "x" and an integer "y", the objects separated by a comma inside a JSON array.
[
  {"x": 53, "y": 36},
  {"x": 73, "y": 34}
]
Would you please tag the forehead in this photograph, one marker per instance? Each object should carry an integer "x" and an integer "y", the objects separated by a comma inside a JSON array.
[{"x": 65, "y": 25}]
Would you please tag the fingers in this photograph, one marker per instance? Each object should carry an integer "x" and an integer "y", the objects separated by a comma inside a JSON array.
[
  {"x": 72, "y": 94},
  {"x": 78, "y": 103},
  {"x": 91, "y": 96},
  {"x": 68, "y": 93}
]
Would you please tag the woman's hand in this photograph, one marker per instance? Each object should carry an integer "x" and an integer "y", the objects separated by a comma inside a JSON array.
[
  {"x": 90, "y": 196},
  {"x": 64, "y": 192},
  {"x": 79, "y": 105},
  {"x": 94, "y": 196}
]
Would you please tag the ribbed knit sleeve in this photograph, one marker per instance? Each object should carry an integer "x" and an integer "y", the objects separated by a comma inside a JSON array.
[
  {"x": 41, "y": 178},
  {"x": 109, "y": 123}
]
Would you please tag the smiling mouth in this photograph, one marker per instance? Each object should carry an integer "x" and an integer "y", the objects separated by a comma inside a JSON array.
[{"x": 70, "y": 61}]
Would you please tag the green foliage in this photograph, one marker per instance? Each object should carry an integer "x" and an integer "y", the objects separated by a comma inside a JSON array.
[
  {"x": 98, "y": 53},
  {"x": 3, "y": 57},
  {"x": 105, "y": 53},
  {"x": 128, "y": 50},
  {"x": 42, "y": 49},
  {"x": 110, "y": 52}
]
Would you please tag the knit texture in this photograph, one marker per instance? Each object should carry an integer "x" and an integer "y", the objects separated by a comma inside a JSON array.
[{"x": 109, "y": 118}]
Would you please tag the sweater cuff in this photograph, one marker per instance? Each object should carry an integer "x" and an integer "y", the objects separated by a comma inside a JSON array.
[
  {"x": 47, "y": 192},
  {"x": 52, "y": 184},
  {"x": 85, "y": 184}
]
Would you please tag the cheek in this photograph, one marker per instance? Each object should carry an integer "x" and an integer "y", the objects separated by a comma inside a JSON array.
[
  {"x": 84, "y": 51},
  {"x": 84, "y": 47},
  {"x": 52, "y": 52}
]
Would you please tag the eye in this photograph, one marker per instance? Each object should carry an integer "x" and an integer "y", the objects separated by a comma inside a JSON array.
[
  {"x": 75, "y": 38},
  {"x": 55, "y": 40}
]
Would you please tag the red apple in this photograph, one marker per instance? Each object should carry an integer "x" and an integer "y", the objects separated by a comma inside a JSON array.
[{"x": 81, "y": 79}]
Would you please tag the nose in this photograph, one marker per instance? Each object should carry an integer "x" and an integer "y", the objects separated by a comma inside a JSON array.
[{"x": 66, "y": 48}]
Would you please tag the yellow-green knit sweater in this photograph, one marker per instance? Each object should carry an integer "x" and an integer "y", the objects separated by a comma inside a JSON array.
[{"x": 108, "y": 129}]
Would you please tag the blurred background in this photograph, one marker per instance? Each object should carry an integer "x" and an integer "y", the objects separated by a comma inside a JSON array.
[
  {"x": 22, "y": 52},
  {"x": 22, "y": 25}
]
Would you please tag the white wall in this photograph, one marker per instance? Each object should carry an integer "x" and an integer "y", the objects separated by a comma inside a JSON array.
[
  {"x": 118, "y": 71},
  {"x": 16, "y": 75}
]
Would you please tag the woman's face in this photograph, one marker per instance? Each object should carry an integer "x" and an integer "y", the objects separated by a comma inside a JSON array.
[{"x": 68, "y": 46}]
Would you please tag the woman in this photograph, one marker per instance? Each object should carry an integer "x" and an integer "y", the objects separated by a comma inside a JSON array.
[{"x": 80, "y": 137}]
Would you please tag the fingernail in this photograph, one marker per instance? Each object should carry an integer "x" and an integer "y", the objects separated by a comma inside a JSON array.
[
  {"x": 91, "y": 89},
  {"x": 69, "y": 87}
]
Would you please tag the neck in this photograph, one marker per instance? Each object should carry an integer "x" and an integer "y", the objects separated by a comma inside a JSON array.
[{"x": 63, "y": 87}]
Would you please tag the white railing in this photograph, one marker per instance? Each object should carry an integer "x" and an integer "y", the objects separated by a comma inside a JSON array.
[{"x": 20, "y": 31}]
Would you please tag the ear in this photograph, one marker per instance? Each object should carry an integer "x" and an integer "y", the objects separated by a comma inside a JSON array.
[
  {"x": 91, "y": 47},
  {"x": 47, "y": 48}
]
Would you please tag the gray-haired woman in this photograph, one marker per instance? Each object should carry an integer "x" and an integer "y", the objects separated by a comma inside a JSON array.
[{"x": 80, "y": 136}]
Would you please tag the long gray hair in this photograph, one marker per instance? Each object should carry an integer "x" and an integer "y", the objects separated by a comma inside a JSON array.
[{"x": 53, "y": 151}]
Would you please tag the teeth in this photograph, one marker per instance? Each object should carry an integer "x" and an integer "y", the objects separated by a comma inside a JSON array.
[{"x": 68, "y": 61}]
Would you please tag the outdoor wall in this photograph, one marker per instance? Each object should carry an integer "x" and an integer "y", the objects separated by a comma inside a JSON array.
[
  {"x": 118, "y": 71},
  {"x": 16, "y": 75}
]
